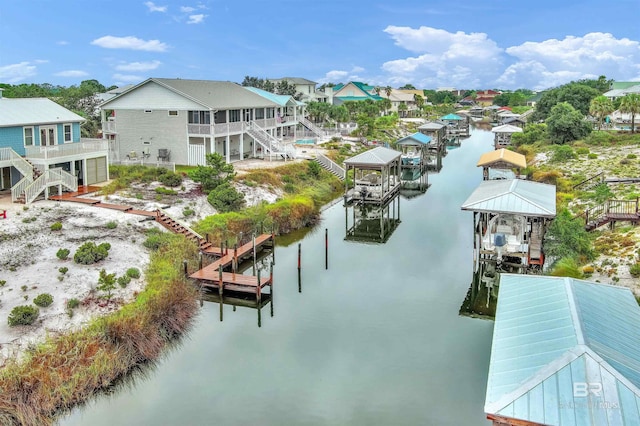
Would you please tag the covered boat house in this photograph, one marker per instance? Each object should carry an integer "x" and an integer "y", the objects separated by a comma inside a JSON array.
[
  {"x": 436, "y": 131},
  {"x": 375, "y": 176},
  {"x": 499, "y": 164},
  {"x": 510, "y": 218},
  {"x": 564, "y": 352},
  {"x": 457, "y": 126},
  {"x": 502, "y": 135}
]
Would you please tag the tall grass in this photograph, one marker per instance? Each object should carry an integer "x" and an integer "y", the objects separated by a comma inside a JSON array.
[{"x": 66, "y": 370}]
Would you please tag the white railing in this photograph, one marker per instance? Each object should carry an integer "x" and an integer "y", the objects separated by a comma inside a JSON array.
[
  {"x": 315, "y": 129},
  {"x": 49, "y": 178},
  {"x": 331, "y": 166},
  {"x": 265, "y": 139},
  {"x": 109, "y": 127},
  {"x": 64, "y": 150},
  {"x": 22, "y": 165},
  {"x": 18, "y": 189},
  {"x": 199, "y": 129}
]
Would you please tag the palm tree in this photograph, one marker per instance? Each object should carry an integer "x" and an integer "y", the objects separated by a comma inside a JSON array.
[
  {"x": 630, "y": 103},
  {"x": 388, "y": 90},
  {"x": 600, "y": 107},
  {"x": 377, "y": 89}
]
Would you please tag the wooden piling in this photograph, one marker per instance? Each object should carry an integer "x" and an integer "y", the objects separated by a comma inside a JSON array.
[
  {"x": 299, "y": 254},
  {"x": 326, "y": 248},
  {"x": 258, "y": 292},
  {"x": 184, "y": 266},
  {"x": 234, "y": 264},
  {"x": 200, "y": 260},
  {"x": 254, "y": 254}
]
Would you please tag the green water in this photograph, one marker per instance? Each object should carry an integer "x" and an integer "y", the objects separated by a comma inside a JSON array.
[{"x": 374, "y": 340}]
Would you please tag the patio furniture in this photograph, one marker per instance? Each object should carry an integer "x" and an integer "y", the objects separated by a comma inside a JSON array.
[
  {"x": 132, "y": 156},
  {"x": 164, "y": 154}
]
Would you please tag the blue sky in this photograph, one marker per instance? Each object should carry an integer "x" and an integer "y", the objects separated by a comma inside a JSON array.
[{"x": 466, "y": 44}]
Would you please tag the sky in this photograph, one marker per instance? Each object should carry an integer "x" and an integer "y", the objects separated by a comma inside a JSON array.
[{"x": 462, "y": 44}]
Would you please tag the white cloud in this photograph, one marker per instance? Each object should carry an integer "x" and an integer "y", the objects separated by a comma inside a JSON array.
[
  {"x": 154, "y": 8},
  {"x": 187, "y": 9},
  {"x": 337, "y": 76},
  {"x": 62, "y": 42},
  {"x": 196, "y": 19},
  {"x": 14, "y": 73},
  {"x": 129, "y": 78},
  {"x": 71, "y": 73},
  {"x": 130, "y": 42},
  {"x": 444, "y": 58},
  {"x": 138, "y": 66}
]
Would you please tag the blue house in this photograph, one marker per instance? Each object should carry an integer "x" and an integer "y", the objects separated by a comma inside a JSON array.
[
  {"x": 564, "y": 352},
  {"x": 40, "y": 148}
]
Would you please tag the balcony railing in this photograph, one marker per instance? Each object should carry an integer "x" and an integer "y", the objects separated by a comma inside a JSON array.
[
  {"x": 223, "y": 129},
  {"x": 109, "y": 127},
  {"x": 57, "y": 151}
]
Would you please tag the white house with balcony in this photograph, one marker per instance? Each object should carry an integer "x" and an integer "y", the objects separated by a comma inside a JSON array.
[
  {"x": 41, "y": 148},
  {"x": 306, "y": 88},
  {"x": 181, "y": 121}
]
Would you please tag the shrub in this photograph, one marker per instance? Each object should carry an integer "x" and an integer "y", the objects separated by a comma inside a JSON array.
[
  {"x": 90, "y": 253},
  {"x": 106, "y": 283},
  {"x": 133, "y": 273},
  {"x": 188, "y": 212},
  {"x": 170, "y": 179},
  {"x": 112, "y": 225},
  {"x": 562, "y": 153},
  {"x": 289, "y": 188},
  {"x": 634, "y": 270},
  {"x": 566, "y": 267},
  {"x": 592, "y": 156},
  {"x": 62, "y": 254},
  {"x": 73, "y": 303},
  {"x": 63, "y": 270},
  {"x": 164, "y": 191},
  {"x": 225, "y": 198},
  {"x": 2, "y": 283},
  {"x": 314, "y": 168},
  {"x": 24, "y": 288},
  {"x": 56, "y": 226},
  {"x": 23, "y": 315},
  {"x": 124, "y": 280},
  {"x": 631, "y": 156},
  {"x": 43, "y": 300},
  {"x": 582, "y": 150}
]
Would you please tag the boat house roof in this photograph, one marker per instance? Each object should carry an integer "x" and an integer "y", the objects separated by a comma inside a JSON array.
[
  {"x": 451, "y": 117},
  {"x": 564, "y": 352},
  {"x": 501, "y": 157},
  {"x": 414, "y": 139},
  {"x": 379, "y": 156},
  {"x": 506, "y": 128},
  {"x": 515, "y": 196},
  {"x": 431, "y": 126}
]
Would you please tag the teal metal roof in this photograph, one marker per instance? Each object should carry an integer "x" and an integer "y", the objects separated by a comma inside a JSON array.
[
  {"x": 450, "y": 117},
  {"x": 281, "y": 100},
  {"x": 414, "y": 139},
  {"x": 565, "y": 352},
  {"x": 516, "y": 196}
]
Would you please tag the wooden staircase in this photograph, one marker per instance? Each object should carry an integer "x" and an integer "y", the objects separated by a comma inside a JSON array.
[
  {"x": 178, "y": 227},
  {"x": 610, "y": 212},
  {"x": 590, "y": 183},
  {"x": 330, "y": 166}
]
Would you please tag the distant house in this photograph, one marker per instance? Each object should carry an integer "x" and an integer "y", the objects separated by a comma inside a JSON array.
[
  {"x": 352, "y": 91},
  {"x": 401, "y": 97},
  {"x": 181, "y": 121},
  {"x": 485, "y": 97},
  {"x": 306, "y": 88},
  {"x": 621, "y": 89},
  {"x": 41, "y": 148},
  {"x": 564, "y": 352},
  {"x": 502, "y": 135}
]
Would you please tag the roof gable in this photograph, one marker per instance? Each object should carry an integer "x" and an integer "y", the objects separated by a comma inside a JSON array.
[
  {"x": 414, "y": 139},
  {"x": 502, "y": 155},
  {"x": 379, "y": 156},
  {"x": 507, "y": 128},
  {"x": 515, "y": 196}
]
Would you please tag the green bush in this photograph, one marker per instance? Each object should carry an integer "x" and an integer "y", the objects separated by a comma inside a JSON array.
[
  {"x": 225, "y": 198},
  {"x": 73, "y": 303},
  {"x": 56, "y": 226},
  {"x": 23, "y": 315},
  {"x": 133, "y": 273},
  {"x": 289, "y": 188},
  {"x": 631, "y": 156},
  {"x": 634, "y": 270},
  {"x": 188, "y": 212},
  {"x": 592, "y": 156},
  {"x": 582, "y": 150},
  {"x": 90, "y": 253},
  {"x": 112, "y": 225},
  {"x": 562, "y": 153},
  {"x": 63, "y": 254},
  {"x": 170, "y": 179},
  {"x": 124, "y": 280},
  {"x": 164, "y": 191},
  {"x": 63, "y": 270},
  {"x": 43, "y": 300},
  {"x": 2, "y": 283}
]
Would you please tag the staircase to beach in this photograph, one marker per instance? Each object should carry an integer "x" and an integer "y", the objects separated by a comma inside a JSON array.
[
  {"x": 611, "y": 211},
  {"x": 313, "y": 128},
  {"x": 271, "y": 145},
  {"x": 330, "y": 166}
]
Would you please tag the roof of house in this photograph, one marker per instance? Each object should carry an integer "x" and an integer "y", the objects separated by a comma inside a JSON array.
[
  {"x": 208, "y": 93},
  {"x": 364, "y": 88},
  {"x": 113, "y": 92},
  {"x": 506, "y": 128},
  {"x": 623, "y": 84},
  {"x": 522, "y": 197},
  {"x": 622, "y": 92},
  {"x": 294, "y": 80},
  {"x": 281, "y": 100},
  {"x": 414, "y": 139},
  {"x": 565, "y": 352},
  {"x": 33, "y": 111},
  {"x": 502, "y": 155},
  {"x": 379, "y": 156}
]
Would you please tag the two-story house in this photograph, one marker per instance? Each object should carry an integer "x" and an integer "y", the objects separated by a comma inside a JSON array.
[
  {"x": 41, "y": 148},
  {"x": 181, "y": 121},
  {"x": 352, "y": 91},
  {"x": 306, "y": 88}
]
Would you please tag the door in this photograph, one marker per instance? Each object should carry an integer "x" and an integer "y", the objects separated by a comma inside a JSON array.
[
  {"x": 96, "y": 170},
  {"x": 47, "y": 135}
]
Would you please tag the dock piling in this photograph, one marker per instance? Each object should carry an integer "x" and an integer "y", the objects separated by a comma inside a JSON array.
[
  {"x": 184, "y": 266},
  {"x": 299, "y": 254},
  {"x": 326, "y": 248}
]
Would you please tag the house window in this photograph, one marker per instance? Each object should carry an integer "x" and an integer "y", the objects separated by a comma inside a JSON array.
[
  {"x": 173, "y": 113},
  {"x": 68, "y": 133},
  {"x": 271, "y": 112},
  {"x": 259, "y": 113},
  {"x": 199, "y": 117},
  {"x": 47, "y": 135},
  {"x": 28, "y": 136},
  {"x": 234, "y": 115}
]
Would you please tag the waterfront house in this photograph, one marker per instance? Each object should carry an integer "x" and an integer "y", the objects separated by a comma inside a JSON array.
[
  {"x": 510, "y": 218},
  {"x": 180, "y": 121},
  {"x": 41, "y": 148},
  {"x": 564, "y": 352},
  {"x": 414, "y": 150},
  {"x": 485, "y": 97},
  {"x": 622, "y": 88},
  {"x": 401, "y": 97},
  {"x": 502, "y": 135}
]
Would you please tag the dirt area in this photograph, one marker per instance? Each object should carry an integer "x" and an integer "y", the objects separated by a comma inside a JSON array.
[{"x": 29, "y": 265}]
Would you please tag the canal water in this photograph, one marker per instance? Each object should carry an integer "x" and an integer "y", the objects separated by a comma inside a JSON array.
[{"x": 374, "y": 340}]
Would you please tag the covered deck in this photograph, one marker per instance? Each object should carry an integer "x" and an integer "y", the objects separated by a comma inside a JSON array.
[
  {"x": 502, "y": 135},
  {"x": 509, "y": 222},
  {"x": 415, "y": 151},
  {"x": 499, "y": 164},
  {"x": 376, "y": 176}
]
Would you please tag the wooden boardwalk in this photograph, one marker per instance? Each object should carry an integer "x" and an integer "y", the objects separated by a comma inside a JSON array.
[{"x": 612, "y": 211}]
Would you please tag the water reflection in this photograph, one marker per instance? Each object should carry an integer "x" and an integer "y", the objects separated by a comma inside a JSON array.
[
  {"x": 413, "y": 183},
  {"x": 372, "y": 223},
  {"x": 482, "y": 296}
]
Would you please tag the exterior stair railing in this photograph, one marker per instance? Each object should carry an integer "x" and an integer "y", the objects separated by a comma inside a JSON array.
[
  {"x": 49, "y": 178},
  {"x": 312, "y": 127},
  {"x": 331, "y": 166},
  {"x": 271, "y": 145}
]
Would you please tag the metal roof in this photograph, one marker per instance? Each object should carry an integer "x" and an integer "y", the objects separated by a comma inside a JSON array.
[
  {"x": 414, "y": 139},
  {"x": 455, "y": 117},
  {"x": 502, "y": 155},
  {"x": 431, "y": 126},
  {"x": 506, "y": 128},
  {"x": 33, "y": 111},
  {"x": 565, "y": 352},
  {"x": 516, "y": 196},
  {"x": 282, "y": 100},
  {"x": 379, "y": 156}
]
